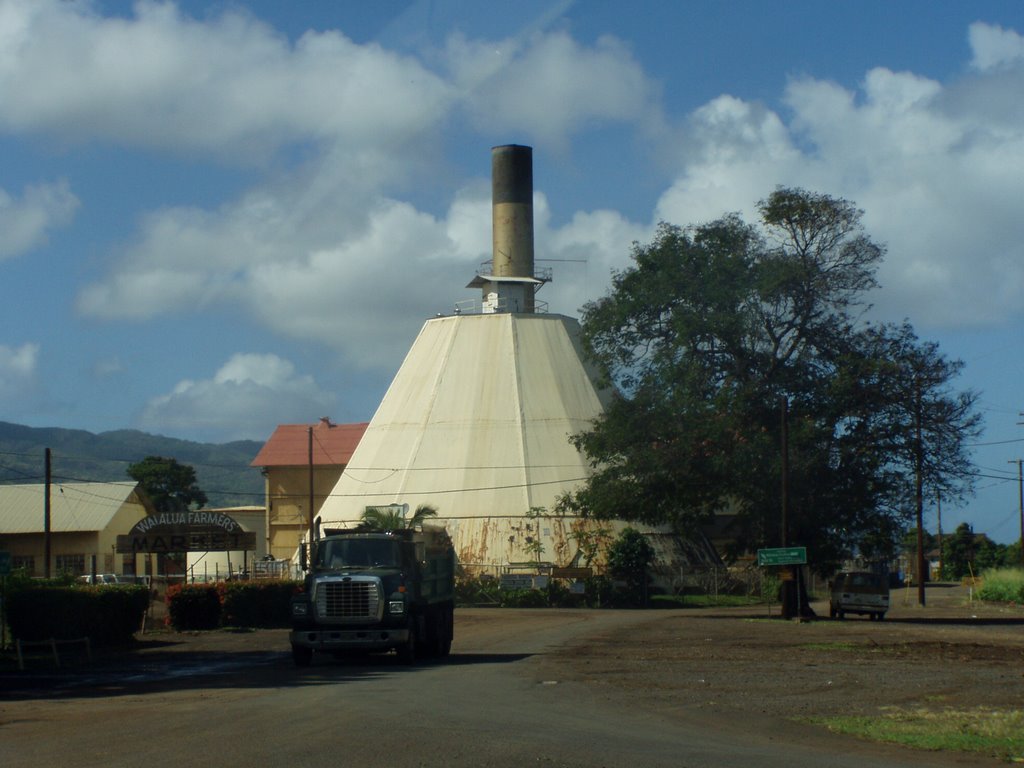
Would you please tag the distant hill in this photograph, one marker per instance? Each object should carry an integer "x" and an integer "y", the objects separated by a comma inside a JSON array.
[{"x": 222, "y": 471}]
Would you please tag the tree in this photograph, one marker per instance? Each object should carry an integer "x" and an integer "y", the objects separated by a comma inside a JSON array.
[
  {"x": 393, "y": 519},
  {"x": 629, "y": 557},
  {"x": 718, "y": 330},
  {"x": 967, "y": 553},
  {"x": 169, "y": 485}
]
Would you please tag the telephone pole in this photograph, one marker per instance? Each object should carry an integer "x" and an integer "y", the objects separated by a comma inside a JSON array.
[
  {"x": 46, "y": 514},
  {"x": 1020, "y": 493}
]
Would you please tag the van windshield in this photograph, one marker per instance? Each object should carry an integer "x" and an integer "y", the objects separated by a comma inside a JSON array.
[
  {"x": 334, "y": 554},
  {"x": 868, "y": 580}
]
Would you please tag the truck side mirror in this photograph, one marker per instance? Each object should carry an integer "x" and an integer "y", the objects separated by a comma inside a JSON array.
[{"x": 303, "y": 557}]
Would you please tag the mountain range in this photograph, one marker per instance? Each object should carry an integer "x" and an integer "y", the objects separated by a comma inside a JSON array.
[{"x": 222, "y": 470}]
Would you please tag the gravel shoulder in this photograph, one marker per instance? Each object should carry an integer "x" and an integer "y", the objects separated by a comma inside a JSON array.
[{"x": 951, "y": 654}]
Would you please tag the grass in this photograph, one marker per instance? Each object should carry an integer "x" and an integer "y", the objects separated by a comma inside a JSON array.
[
  {"x": 703, "y": 601},
  {"x": 1002, "y": 585},
  {"x": 991, "y": 732}
]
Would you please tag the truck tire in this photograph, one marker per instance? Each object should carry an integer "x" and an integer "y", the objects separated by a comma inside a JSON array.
[
  {"x": 447, "y": 626},
  {"x": 302, "y": 656},
  {"x": 438, "y": 640},
  {"x": 407, "y": 653}
]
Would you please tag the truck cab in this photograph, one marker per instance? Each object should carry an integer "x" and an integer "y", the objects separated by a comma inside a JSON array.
[{"x": 376, "y": 591}]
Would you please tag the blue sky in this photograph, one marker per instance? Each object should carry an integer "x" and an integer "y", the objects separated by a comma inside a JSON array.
[{"x": 218, "y": 217}]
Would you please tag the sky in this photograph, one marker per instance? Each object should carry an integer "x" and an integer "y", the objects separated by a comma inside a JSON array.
[{"x": 217, "y": 217}]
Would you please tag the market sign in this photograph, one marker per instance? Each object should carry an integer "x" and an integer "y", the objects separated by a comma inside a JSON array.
[
  {"x": 782, "y": 556},
  {"x": 167, "y": 532}
]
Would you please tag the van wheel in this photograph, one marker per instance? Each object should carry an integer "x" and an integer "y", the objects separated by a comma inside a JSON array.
[
  {"x": 840, "y": 615},
  {"x": 879, "y": 616},
  {"x": 832, "y": 612}
]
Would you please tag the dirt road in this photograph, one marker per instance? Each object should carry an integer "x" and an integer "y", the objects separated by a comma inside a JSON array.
[{"x": 557, "y": 688}]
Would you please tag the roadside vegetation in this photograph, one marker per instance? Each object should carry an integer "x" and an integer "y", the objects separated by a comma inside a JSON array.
[
  {"x": 998, "y": 733},
  {"x": 1002, "y": 585}
]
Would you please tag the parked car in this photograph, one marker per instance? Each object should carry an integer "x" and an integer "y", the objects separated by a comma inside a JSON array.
[
  {"x": 99, "y": 578},
  {"x": 860, "y": 592}
]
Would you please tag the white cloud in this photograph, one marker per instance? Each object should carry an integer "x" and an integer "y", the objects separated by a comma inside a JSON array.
[
  {"x": 231, "y": 85},
  {"x": 322, "y": 251},
  {"x": 583, "y": 254},
  {"x": 993, "y": 47},
  {"x": 327, "y": 251},
  {"x": 939, "y": 176},
  {"x": 549, "y": 86},
  {"x": 25, "y": 222},
  {"x": 245, "y": 399},
  {"x": 17, "y": 369}
]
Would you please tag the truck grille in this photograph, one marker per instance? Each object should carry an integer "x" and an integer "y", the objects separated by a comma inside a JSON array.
[{"x": 348, "y": 600}]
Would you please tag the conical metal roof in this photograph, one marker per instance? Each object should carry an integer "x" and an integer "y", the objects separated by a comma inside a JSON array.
[{"x": 476, "y": 424}]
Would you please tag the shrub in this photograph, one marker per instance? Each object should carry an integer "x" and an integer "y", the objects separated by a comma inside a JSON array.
[
  {"x": 1002, "y": 585},
  {"x": 193, "y": 606},
  {"x": 524, "y": 598},
  {"x": 107, "y": 615},
  {"x": 479, "y": 590},
  {"x": 257, "y": 604}
]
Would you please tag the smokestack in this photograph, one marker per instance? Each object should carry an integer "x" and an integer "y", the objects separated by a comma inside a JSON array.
[
  {"x": 512, "y": 210},
  {"x": 511, "y": 283}
]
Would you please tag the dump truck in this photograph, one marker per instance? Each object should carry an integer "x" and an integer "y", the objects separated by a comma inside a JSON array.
[{"x": 377, "y": 591}]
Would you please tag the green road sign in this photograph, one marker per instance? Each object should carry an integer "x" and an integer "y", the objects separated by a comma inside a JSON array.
[
  {"x": 5, "y": 563},
  {"x": 782, "y": 556}
]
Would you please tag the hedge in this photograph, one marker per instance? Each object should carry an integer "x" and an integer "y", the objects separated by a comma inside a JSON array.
[
  {"x": 230, "y": 604},
  {"x": 107, "y": 615}
]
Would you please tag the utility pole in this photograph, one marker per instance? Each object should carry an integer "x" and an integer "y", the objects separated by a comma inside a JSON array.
[
  {"x": 919, "y": 488},
  {"x": 790, "y": 586},
  {"x": 312, "y": 526},
  {"x": 938, "y": 514},
  {"x": 785, "y": 473},
  {"x": 46, "y": 517},
  {"x": 1020, "y": 493}
]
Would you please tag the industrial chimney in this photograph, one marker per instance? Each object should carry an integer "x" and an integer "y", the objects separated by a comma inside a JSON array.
[
  {"x": 509, "y": 284},
  {"x": 477, "y": 421}
]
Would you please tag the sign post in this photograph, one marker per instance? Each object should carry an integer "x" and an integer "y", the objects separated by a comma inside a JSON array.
[
  {"x": 782, "y": 556},
  {"x": 5, "y": 571},
  {"x": 786, "y": 556}
]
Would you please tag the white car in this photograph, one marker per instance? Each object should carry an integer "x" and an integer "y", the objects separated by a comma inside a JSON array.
[{"x": 100, "y": 578}]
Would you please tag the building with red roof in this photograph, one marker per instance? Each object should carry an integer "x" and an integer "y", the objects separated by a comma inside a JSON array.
[{"x": 301, "y": 463}]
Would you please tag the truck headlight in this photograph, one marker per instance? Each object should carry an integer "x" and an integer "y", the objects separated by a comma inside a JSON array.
[
  {"x": 396, "y": 606},
  {"x": 300, "y": 609}
]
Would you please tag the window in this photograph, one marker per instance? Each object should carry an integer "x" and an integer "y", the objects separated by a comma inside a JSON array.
[
  {"x": 73, "y": 564},
  {"x": 26, "y": 562}
]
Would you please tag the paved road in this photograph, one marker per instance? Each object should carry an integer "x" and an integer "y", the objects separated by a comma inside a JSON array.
[{"x": 498, "y": 701}]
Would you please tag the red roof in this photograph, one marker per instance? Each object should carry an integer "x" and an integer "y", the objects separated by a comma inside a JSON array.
[{"x": 333, "y": 445}]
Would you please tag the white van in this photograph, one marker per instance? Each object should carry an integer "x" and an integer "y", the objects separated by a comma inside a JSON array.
[{"x": 860, "y": 592}]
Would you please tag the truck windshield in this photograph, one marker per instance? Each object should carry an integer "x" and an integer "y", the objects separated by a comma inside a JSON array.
[{"x": 357, "y": 553}]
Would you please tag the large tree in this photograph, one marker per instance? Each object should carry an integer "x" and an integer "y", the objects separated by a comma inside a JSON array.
[
  {"x": 727, "y": 341},
  {"x": 170, "y": 486}
]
